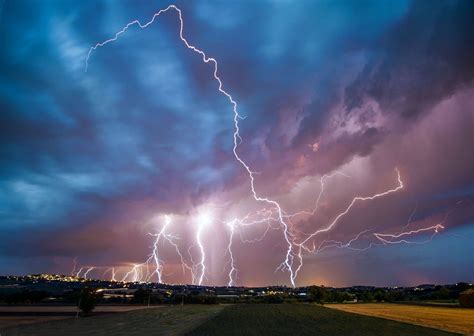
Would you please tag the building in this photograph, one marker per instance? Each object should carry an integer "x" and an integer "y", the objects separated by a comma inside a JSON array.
[{"x": 111, "y": 293}]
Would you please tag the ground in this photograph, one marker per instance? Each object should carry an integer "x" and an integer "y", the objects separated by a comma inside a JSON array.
[
  {"x": 302, "y": 319},
  {"x": 459, "y": 320},
  {"x": 29, "y": 314},
  {"x": 251, "y": 319},
  {"x": 167, "y": 320}
]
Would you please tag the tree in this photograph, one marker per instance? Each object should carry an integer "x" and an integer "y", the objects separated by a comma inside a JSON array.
[
  {"x": 442, "y": 293},
  {"x": 393, "y": 296},
  {"x": 379, "y": 295},
  {"x": 87, "y": 300},
  {"x": 466, "y": 299},
  {"x": 365, "y": 296},
  {"x": 318, "y": 294},
  {"x": 142, "y": 296}
]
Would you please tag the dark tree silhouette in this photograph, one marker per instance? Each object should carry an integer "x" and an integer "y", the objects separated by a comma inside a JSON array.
[
  {"x": 87, "y": 300},
  {"x": 318, "y": 294}
]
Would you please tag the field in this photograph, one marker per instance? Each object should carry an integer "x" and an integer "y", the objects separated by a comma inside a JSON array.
[
  {"x": 451, "y": 319},
  {"x": 169, "y": 320},
  {"x": 29, "y": 314},
  {"x": 301, "y": 319},
  {"x": 67, "y": 309},
  {"x": 251, "y": 319}
]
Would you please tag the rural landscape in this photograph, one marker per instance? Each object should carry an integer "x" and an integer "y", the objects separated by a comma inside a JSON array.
[
  {"x": 236, "y": 167},
  {"x": 66, "y": 305}
]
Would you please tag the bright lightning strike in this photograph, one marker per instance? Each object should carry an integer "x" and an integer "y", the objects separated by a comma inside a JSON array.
[
  {"x": 293, "y": 260},
  {"x": 204, "y": 219},
  {"x": 354, "y": 201},
  {"x": 86, "y": 273},
  {"x": 158, "y": 263},
  {"x": 134, "y": 275},
  {"x": 78, "y": 273},
  {"x": 236, "y": 135},
  {"x": 233, "y": 270},
  {"x": 401, "y": 237},
  {"x": 113, "y": 274}
]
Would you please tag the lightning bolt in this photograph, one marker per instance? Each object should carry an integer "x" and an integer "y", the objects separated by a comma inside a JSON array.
[
  {"x": 388, "y": 239},
  {"x": 402, "y": 233},
  {"x": 135, "y": 273},
  {"x": 293, "y": 260},
  {"x": 110, "y": 270},
  {"x": 113, "y": 274},
  {"x": 269, "y": 215},
  {"x": 233, "y": 270},
  {"x": 325, "y": 244},
  {"x": 410, "y": 218},
  {"x": 296, "y": 258},
  {"x": 322, "y": 182},
  {"x": 162, "y": 235},
  {"x": 203, "y": 220},
  {"x": 401, "y": 237},
  {"x": 193, "y": 267},
  {"x": 158, "y": 264},
  {"x": 141, "y": 272},
  {"x": 301, "y": 246},
  {"x": 184, "y": 265},
  {"x": 349, "y": 207},
  {"x": 398, "y": 238},
  {"x": 73, "y": 271},
  {"x": 236, "y": 135},
  {"x": 86, "y": 273},
  {"x": 79, "y": 272}
]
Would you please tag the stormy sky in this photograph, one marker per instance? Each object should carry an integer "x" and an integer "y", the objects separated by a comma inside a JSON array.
[{"x": 91, "y": 162}]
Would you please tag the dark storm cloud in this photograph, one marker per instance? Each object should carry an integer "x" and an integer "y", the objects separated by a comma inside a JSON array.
[
  {"x": 421, "y": 59},
  {"x": 426, "y": 57},
  {"x": 87, "y": 158}
]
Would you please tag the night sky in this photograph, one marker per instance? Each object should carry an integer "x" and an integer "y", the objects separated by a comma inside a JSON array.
[{"x": 91, "y": 163}]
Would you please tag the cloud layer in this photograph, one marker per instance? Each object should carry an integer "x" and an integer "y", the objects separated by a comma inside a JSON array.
[{"x": 88, "y": 160}]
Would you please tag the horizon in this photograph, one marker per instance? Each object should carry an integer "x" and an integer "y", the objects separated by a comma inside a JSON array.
[
  {"x": 85, "y": 280},
  {"x": 238, "y": 143}
]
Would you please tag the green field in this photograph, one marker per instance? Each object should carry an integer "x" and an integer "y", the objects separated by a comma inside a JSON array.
[{"x": 250, "y": 319}]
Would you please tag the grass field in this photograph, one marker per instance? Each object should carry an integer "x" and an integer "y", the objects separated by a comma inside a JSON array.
[
  {"x": 29, "y": 314},
  {"x": 251, "y": 319},
  {"x": 452, "y": 319},
  {"x": 170, "y": 320},
  {"x": 287, "y": 319},
  {"x": 67, "y": 309}
]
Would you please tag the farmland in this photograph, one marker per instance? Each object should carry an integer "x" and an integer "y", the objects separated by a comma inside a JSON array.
[
  {"x": 170, "y": 320},
  {"x": 30, "y": 314},
  {"x": 451, "y": 319},
  {"x": 244, "y": 319},
  {"x": 301, "y": 319}
]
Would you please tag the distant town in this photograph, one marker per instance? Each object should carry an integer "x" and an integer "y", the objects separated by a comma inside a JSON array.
[{"x": 53, "y": 288}]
